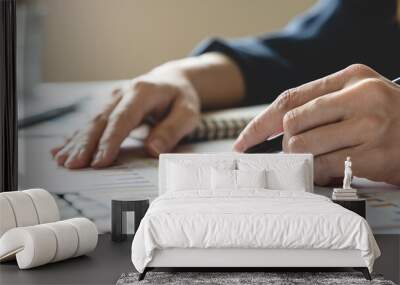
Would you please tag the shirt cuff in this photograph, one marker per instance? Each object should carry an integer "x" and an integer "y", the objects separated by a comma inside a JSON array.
[{"x": 257, "y": 63}]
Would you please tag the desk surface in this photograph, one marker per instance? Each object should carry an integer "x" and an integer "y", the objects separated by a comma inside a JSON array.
[
  {"x": 89, "y": 192},
  {"x": 110, "y": 260},
  {"x": 105, "y": 265}
]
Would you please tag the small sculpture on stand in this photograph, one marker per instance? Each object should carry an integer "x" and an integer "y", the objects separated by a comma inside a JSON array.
[
  {"x": 347, "y": 192},
  {"x": 348, "y": 174}
]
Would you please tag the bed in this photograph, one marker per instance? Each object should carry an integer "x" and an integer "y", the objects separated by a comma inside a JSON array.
[{"x": 247, "y": 211}]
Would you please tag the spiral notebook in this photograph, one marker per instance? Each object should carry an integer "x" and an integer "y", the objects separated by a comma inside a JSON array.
[
  {"x": 216, "y": 125},
  {"x": 226, "y": 124}
]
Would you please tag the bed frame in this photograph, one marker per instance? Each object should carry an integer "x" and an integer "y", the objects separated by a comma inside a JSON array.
[
  {"x": 245, "y": 259},
  {"x": 259, "y": 259}
]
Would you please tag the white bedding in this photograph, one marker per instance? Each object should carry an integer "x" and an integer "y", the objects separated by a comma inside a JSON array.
[{"x": 250, "y": 219}]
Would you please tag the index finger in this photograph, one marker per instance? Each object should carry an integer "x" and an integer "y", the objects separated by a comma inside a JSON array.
[
  {"x": 270, "y": 122},
  {"x": 127, "y": 115}
]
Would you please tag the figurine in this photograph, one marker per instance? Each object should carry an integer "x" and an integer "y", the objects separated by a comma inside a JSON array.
[
  {"x": 347, "y": 192},
  {"x": 348, "y": 174}
]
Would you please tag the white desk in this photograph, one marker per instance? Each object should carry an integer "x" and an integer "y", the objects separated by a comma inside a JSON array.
[{"x": 90, "y": 191}]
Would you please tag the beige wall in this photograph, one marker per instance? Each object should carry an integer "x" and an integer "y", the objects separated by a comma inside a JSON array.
[{"x": 115, "y": 39}]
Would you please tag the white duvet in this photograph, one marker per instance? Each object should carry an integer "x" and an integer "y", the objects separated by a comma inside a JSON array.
[{"x": 250, "y": 219}]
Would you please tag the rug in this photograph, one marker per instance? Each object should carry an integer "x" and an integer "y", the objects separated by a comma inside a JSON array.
[{"x": 244, "y": 278}]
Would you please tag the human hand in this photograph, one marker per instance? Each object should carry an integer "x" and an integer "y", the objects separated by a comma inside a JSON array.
[
  {"x": 354, "y": 112},
  {"x": 165, "y": 94}
]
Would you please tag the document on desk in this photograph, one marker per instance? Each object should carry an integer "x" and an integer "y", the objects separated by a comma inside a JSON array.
[
  {"x": 132, "y": 171},
  {"x": 88, "y": 191},
  {"x": 37, "y": 168}
]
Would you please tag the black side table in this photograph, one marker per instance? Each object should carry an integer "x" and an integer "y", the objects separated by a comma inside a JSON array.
[
  {"x": 357, "y": 206},
  {"x": 126, "y": 214}
]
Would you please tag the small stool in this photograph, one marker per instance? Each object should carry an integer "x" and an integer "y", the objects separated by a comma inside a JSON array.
[{"x": 126, "y": 216}]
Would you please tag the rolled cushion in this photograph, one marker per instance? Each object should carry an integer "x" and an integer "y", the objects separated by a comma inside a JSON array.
[
  {"x": 23, "y": 208},
  {"x": 7, "y": 218},
  {"x": 40, "y": 244},
  {"x": 67, "y": 240},
  {"x": 87, "y": 234},
  {"x": 46, "y": 207},
  {"x": 27, "y": 208},
  {"x": 33, "y": 246}
]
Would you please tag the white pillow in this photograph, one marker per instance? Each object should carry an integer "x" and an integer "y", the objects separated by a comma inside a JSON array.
[
  {"x": 290, "y": 174},
  {"x": 294, "y": 180},
  {"x": 193, "y": 175},
  {"x": 251, "y": 178},
  {"x": 226, "y": 179},
  {"x": 223, "y": 179},
  {"x": 182, "y": 177}
]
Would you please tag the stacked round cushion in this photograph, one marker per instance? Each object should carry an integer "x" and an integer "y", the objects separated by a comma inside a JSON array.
[{"x": 31, "y": 232}]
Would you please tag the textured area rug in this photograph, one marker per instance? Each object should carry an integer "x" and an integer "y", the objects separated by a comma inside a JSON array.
[{"x": 233, "y": 278}]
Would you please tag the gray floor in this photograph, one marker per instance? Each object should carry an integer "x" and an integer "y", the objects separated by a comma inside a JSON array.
[
  {"x": 110, "y": 260},
  {"x": 103, "y": 266}
]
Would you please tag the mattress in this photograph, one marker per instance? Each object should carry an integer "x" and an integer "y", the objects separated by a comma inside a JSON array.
[{"x": 250, "y": 219}]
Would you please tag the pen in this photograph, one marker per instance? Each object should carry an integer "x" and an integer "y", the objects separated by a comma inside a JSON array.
[
  {"x": 271, "y": 145},
  {"x": 47, "y": 115}
]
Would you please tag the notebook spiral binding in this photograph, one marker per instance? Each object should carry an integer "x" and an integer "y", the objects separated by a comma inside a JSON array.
[{"x": 217, "y": 129}]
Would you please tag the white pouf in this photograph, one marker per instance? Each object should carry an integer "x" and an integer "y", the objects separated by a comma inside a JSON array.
[
  {"x": 46, "y": 207},
  {"x": 7, "y": 220},
  {"x": 40, "y": 244},
  {"x": 23, "y": 208}
]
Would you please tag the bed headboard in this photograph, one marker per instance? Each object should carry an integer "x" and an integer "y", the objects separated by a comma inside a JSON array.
[{"x": 284, "y": 164}]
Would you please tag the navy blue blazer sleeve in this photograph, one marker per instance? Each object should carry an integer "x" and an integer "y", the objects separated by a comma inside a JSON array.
[{"x": 332, "y": 35}]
